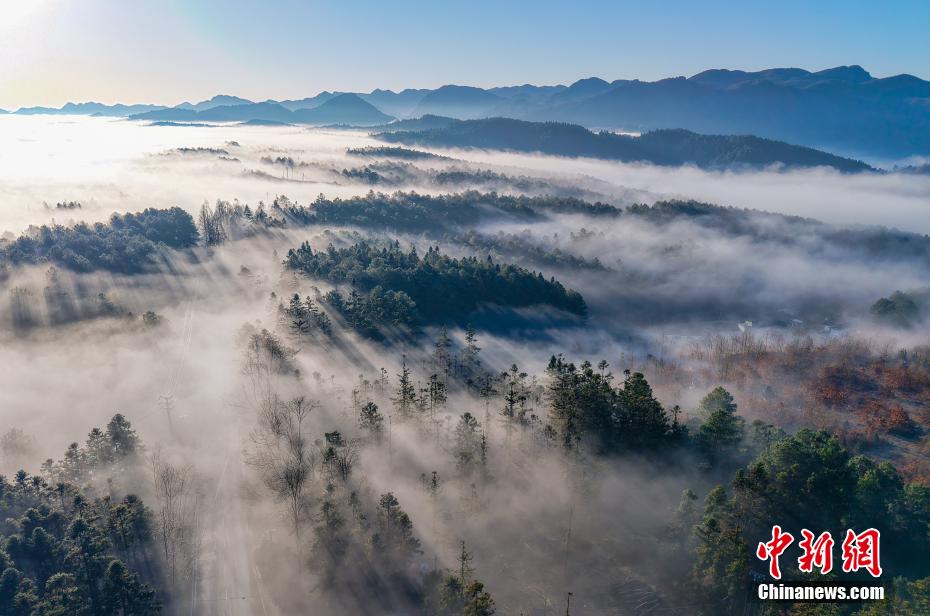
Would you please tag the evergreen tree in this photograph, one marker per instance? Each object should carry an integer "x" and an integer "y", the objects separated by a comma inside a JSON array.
[
  {"x": 465, "y": 570},
  {"x": 122, "y": 438},
  {"x": 807, "y": 480},
  {"x": 62, "y": 596},
  {"x": 298, "y": 321},
  {"x": 560, "y": 394},
  {"x": 468, "y": 445},
  {"x": 460, "y": 594},
  {"x": 405, "y": 396},
  {"x": 721, "y": 432},
  {"x": 371, "y": 420},
  {"x": 643, "y": 423},
  {"x": 722, "y": 556},
  {"x": 596, "y": 405},
  {"x": 471, "y": 361},
  {"x": 442, "y": 355},
  {"x": 515, "y": 395},
  {"x": 436, "y": 391},
  {"x": 87, "y": 554},
  {"x": 477, "y": 601},
  {"x": 394, "y": 540},
  {"x": 123, "y": 594}
]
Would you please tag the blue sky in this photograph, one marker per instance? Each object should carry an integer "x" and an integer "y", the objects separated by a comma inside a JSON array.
[{"x": 53, "y": 51}]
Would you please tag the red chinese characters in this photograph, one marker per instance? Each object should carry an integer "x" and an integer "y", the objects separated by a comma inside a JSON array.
[
  {"x": 771, "y": 550},
  {"x": 817, "y": 553},
  {"x": 861, "y": 552}
]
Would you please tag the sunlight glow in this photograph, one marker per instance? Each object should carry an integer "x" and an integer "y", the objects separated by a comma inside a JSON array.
[{"x": 17, "y": 14}]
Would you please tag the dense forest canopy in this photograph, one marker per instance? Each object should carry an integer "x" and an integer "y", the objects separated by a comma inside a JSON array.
[
  {"x": 415, "y": 212},
  {"x": 440, "y": 287},
  {"x": 66, "y": 547},
  {"x": 128, "y": 243},
  {"x": 390, "y": 152}
]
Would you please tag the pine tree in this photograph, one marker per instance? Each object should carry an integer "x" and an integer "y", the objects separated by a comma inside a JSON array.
[
  {"x": 477, "y": 601},
  {"x": 371, "y": 420},
  {"x": 442, "y": 355},
  {"x": 643, "y": 422},
  {"x": 122, "y": 438},
  {"x": 434, "y": 485},
  {"x": 394, "y": 539},
  {"x": 722, "y": 430},
  {"x": 483, "y": 455},
  {"x": 405, "y": 396},
  {"x": 471, "y": 362},
  {"x": 297, "y": 316},
  {"x": 467, "y": 442},
  {"x": 124, "y": 594},
  {"x": 560, "y": 394},
  {"x": 437, "y": 393},
  {"x": 461, "y": 595},
  {"x": 465, "y": 568},
  {"x": 515, "y": 395}
]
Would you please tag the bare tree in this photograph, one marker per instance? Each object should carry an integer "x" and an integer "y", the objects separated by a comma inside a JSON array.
[
  {"x": 175, "y": 515},
  {"x": 283, "y": 454},
  {"x": 212, "y": 224},
  {"x": 338, "y": 456}
]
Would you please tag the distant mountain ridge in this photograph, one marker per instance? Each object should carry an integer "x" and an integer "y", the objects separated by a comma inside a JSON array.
[
  {"x": 307, "y": 103},
  {"x": 339, "y": 109},
  {"x": 220, "y": 100},
  {"x": 343, "y": 109},
  {"x": 90, "y": 108},
  {"x": 462, "y": 102},
  {"x": 843, "y": 109},
  {"x": 660, "y": 147}
]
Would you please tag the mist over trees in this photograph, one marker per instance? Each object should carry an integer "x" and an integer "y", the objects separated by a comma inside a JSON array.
[
  {"x": 72, "y": 546},
  {"x": 430, "y": 288},
  {"x": 128, "y": 243},
  {"x": 496, "y": 390},
  {"x": 660, "y": 147}
]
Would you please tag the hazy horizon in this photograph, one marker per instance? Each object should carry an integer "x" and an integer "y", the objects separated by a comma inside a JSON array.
[{"x": 52, "y": 52}]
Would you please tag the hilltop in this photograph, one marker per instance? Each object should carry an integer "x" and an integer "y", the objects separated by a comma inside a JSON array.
[{"x": 661, "y": 147}]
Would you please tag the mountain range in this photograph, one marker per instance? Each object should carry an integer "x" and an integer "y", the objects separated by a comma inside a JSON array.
[
  {"x": 338, "y": 109},
  {"x": 843, "y": 109}
]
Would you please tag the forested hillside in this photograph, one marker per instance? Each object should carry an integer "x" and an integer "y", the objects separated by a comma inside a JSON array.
[
  {"x": 74, "y": 540},
  {"x": 369, "y": 379},
  {"x": 433, "y": 288},
  {"x": 660, "y": 147},
  {"x": 128, "y": 243}
]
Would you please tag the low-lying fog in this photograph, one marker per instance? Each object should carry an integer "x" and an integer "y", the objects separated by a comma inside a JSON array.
[
  {"x": 650, "y": 289},
  {"x": 115, "y": 164},
  {"x": 656, "y": 281}
]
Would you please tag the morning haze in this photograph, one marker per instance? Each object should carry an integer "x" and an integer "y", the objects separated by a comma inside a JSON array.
[{"x": 277, "y": 339}]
